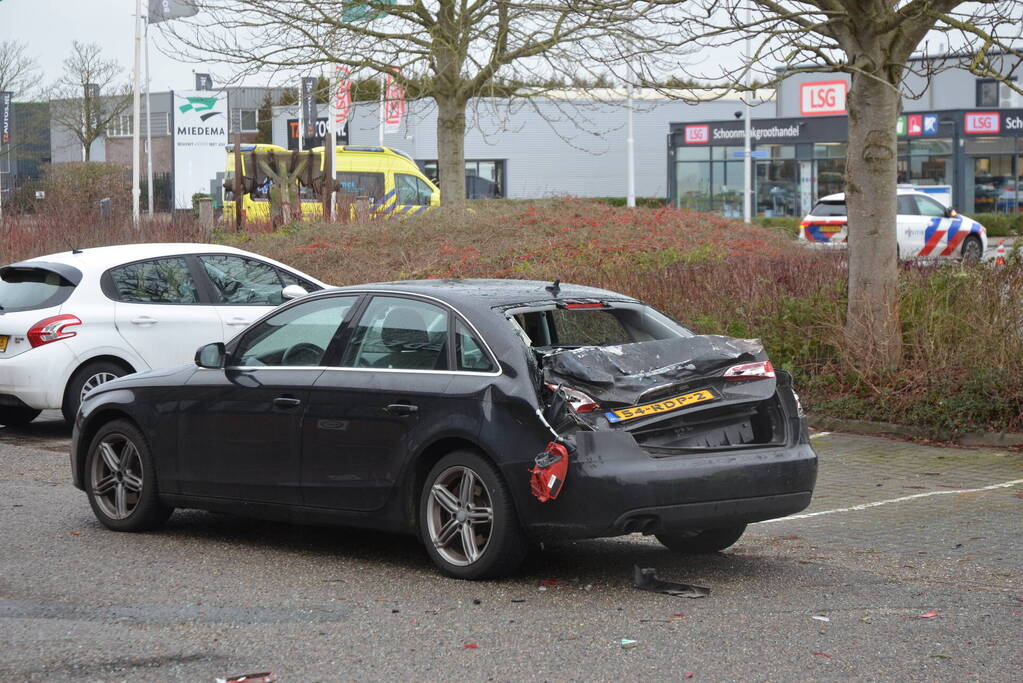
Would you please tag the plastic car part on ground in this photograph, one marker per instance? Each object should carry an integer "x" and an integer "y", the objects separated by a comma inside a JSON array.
[
  {"x": 547, "y": 477},
  {"x": 645, "y": 579},
  {"x": 262, "y": 677}
]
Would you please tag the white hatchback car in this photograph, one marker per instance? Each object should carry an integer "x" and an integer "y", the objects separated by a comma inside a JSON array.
[
  {"x": 926, "y": 229},
  {"x": 71, "y": 321}
]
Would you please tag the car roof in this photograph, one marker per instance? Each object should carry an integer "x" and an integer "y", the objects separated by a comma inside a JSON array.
[
  {"x": 101, "y": 258},
  {"x": 840, "y": 196},
  {"x": 481, "y": 293}
]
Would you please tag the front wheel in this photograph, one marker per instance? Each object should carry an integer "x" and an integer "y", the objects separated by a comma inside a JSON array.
[
  {"x": 972, "y": 250},
  {"x": 16, "y": 416},
  {"x": 702, "y": 542},
  {"x": 120, "y": 479},
  {"x": 467, "y": 519}
]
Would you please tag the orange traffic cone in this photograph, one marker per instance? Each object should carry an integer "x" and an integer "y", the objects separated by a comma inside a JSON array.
[{"x": 1000, "y": 253}]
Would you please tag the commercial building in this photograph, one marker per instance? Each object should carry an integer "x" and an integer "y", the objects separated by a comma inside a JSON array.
[
  {"x": 960, "y": 138},
  {"x": 570, "y": 143}
]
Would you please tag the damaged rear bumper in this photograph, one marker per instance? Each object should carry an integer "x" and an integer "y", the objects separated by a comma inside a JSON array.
[{"x": 614, "y": 487}]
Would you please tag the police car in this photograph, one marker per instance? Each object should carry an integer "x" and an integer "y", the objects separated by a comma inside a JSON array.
[{"x": 926, "y": 229}]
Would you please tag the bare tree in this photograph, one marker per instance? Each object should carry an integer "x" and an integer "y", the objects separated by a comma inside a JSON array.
[
  {"x": 447, "y": 50},
  {"x": 873, "y": 41},
  {"x": 73, "y": 102},
  {"x": 18, "y": 70}
]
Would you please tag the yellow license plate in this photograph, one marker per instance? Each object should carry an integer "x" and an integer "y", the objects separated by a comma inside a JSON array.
[
  {"x": 831, "y": 228},
  {"x": 665, "y": 406},
  {"x": 3, "y": 342}
]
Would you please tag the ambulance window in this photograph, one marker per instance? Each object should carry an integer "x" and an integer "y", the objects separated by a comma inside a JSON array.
[
  {"x": 412, "y": 190},
  {"x": 369, "y": 185}
]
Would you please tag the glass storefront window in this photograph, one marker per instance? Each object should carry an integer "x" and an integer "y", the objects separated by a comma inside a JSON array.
[
  {"x": 692, "y": 185},
  {"x": 692, "y": 153},
  {"x": 992, "y": 176},
  {"x": 483, "y": 179},
  {"x": 777, "y": 187},
  {"x": 726, "y": 188}
]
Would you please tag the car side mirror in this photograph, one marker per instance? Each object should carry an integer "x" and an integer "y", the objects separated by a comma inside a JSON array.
[
  {"x": 293, "y": 292},
  {"x": 951, "y": 213},
  {"x": 211, "y": 356}
]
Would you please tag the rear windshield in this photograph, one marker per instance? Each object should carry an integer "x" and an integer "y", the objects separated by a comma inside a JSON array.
[
  {"x": 829, "y": 209},
  {"x": 574, "y": 327},
  {"x": 29, "y": 289}
]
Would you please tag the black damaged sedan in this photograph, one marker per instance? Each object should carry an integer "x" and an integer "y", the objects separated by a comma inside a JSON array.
[{"x": 481, "y": 415}]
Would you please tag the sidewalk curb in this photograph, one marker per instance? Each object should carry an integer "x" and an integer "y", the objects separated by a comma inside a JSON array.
[{"x": 988, "y": 439}]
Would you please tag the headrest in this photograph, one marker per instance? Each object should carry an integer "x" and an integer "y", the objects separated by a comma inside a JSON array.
[{"x": 403, "y": 326}]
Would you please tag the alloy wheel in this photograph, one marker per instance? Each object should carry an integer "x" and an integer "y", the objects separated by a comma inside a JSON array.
[
  {"x": 460, "y": 516},
  {"x": 116, "y": 476},
  {"x": 94, "y": 381}
]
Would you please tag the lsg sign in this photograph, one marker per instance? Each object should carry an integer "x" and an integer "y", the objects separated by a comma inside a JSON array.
[
  {"x": 822, "y": 98},
  {"x": 982, "y": 122}
]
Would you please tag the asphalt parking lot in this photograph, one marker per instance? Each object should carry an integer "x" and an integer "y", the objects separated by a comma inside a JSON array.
[{"x": 908, "y": 565}]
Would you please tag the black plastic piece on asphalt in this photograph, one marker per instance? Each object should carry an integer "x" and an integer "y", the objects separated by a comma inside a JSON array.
[{"x": 645, "y": 579}]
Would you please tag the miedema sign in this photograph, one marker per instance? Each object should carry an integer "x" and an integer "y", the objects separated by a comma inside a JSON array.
[
  {"x": 825, "y": 98},
  {"x": 200, "y": 136}
]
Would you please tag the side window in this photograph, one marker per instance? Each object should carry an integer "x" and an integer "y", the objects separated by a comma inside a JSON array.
[
  {"x": 469, "y": 351},
  {"x": 399, "y": 333},
  {"x": 297, "y": 336},
  {"x": 160, "y": 281},
  {"x": 289, "y": 279},
  {"x": 370, "y": 185},
  {"x": 412, "y": 190},
  {"x": 929, "y": 207},
  {"x": 906, "y": 206},
  {"x": 243, "y": 281}
]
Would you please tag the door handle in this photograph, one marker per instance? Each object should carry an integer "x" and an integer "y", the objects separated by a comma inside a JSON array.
[
  {"x": 286, "y": 402},
  {"x": 144, "y": 320},
  {"x": 401, "y": 408},
  {"x": 238, "y": 321}
]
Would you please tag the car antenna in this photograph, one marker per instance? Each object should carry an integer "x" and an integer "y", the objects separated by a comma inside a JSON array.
[
  {"x": 555, "y": 288},
  {"x": 75, "y": 250}
]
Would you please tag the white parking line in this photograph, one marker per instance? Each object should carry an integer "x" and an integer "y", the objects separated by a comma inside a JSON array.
[{"x": 864, "y": 506}]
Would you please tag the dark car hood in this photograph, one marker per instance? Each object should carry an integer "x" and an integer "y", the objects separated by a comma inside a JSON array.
[{"x": 622, "y": 374}]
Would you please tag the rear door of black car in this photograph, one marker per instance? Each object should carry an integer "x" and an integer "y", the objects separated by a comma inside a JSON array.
[
  {"x": 239, "y": 433},
  {"x": 396, "y": 386}
]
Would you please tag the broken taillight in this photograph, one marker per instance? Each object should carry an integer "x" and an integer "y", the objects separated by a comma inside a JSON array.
[
  {"x": 547, "y": 477},
  {"x": 759, "y": 370},
  {"x": 52, "y": 329},
  {"x": 577, "y": 400}
]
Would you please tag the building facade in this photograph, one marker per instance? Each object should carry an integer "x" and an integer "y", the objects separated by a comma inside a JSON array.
[
  {"x": 550, "y": 146},
  {"x": 960, "y": 138}
]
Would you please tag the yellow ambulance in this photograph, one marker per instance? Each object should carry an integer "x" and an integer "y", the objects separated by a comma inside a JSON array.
[{"x": 387, "y": 178}]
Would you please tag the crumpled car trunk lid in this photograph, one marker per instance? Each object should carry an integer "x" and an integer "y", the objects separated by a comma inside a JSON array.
[{"x": 644, "y": 378}]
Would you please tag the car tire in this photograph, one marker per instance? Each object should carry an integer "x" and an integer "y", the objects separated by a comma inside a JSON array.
[
  {"x": 702, "y": 542},
  {"x": 120, "y": 479},
  {"x": 17, "y": 416},
  {"x": 972, "y": 250},
  {"x": 88, "y": 377},
  {"x": 460, "y": 537}
]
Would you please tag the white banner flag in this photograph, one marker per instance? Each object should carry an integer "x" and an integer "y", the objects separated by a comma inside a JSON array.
[{"x": 394, "y": 105}]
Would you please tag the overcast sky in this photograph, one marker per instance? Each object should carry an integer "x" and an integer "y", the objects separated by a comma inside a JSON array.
[{"x": 49, "y": 27}]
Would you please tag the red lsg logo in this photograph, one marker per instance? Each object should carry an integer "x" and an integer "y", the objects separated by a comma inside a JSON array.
[
  {"x": 982, "y": 122},
  {"x": 697, "y": 134}
]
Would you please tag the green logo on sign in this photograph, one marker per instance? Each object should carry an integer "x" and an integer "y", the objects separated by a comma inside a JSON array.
[
  {"x": 200, "y": 104},
  {"x": 900, "y": 126}
]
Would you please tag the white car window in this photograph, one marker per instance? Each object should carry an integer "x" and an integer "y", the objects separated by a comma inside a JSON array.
[
  {"x": 160, "y": 281},
  {"x": 929, "y": 207},
  {"x": 297, "y": 336}
]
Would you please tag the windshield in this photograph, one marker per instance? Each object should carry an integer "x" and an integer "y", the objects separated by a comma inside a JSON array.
[
  {"x": 574, "y": 325},
  {"x": 824, "y": 209},
  {"x": 29, "y": 289}
]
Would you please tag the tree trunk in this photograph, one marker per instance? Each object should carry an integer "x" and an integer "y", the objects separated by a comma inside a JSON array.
[
  {"x": 873, "y": 329},
  {"x": 451, "y": 150}
]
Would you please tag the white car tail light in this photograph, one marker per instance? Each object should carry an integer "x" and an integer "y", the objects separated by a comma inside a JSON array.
[
  {"x": 52, "y": 329},
  {"x": 760, "y": 370},
  {"x": 577, "y": 400}
]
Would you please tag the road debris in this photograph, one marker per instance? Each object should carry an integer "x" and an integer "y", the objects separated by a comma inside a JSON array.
[
  {"x": 688, "y": 674},
  {"x": 822, "y": 654},
  {"x": 928, "y": 615},
  {"x": 262, "y": 677},
  {"x": 645, "y": 579},
  {"x": 627, "y": 644},
  {"x": 819, "y": 618},
  {"x": 471, "y": 646}
]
